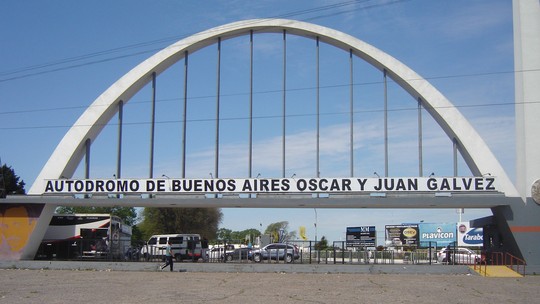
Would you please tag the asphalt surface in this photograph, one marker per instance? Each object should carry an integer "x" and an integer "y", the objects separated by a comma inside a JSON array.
[
  {"x": 117, "y": 282},
  {"x": 250, "y": 267}
]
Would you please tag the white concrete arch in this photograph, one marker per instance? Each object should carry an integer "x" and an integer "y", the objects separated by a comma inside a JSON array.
[{"x": 70, "y": 151}]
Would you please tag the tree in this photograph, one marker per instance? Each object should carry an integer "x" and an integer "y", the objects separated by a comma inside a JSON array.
[
  {"x": 204, "y": 221},
  {"x": 11, "y": 182},
  {"x": 238, "y": 236},
  {"x": 280, "y": 231},
  {"x": 322, "y": 244},
  {"x": 249, "y": 234},
  {"x": 137, "y": 236},
  {"x": 224, "y": 234},
  {"x": 127, "y": 214}
]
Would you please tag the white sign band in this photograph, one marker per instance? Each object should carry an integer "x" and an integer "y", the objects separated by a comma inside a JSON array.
[{"x": 271, "y": 185}]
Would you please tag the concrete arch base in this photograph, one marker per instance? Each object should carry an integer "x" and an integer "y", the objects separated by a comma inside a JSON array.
[
  {"x": 23, "y": 227},
  {"x": 514, "y": 229}
]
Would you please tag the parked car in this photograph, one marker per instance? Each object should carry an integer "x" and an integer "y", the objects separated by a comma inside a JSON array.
[
  {"x": 238, "y": 254},
  {"x": 275, "y": 251},
  {"x": 458, "y": 255},
  {"x": 219, "y": 251}
]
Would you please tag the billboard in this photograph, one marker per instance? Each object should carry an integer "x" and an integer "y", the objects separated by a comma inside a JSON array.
[
  {"x": 470, "y": 237},
  {"x": 401, "y": 235},
  {"x": 443, "y": 234},
  {"x": 363, "y": 236}
]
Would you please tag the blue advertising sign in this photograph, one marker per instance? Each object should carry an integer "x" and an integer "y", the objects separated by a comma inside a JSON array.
[{"x": 441, "y": 233}]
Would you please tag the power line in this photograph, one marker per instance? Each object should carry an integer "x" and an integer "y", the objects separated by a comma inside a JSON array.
[
  {"x": 342, "y": 5},
  {"x": 52, "y": 65},
  {"x": 73, "y": 66},
  {"x": 275, "y": 91},
  {"x": 357, "y": 9},
  {"x": 413, "y": 108}
]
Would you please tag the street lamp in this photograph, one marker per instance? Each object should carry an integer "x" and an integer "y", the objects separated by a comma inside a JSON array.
[{"x": 315, "y": 209}]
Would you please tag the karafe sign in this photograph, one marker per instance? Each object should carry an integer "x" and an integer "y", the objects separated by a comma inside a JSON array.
[
  {"x": 271, "y": 185},
  {"x": 468, "y": 236}
]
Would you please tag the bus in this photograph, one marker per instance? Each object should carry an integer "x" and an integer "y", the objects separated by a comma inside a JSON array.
[{"x": 85, "y": 236}]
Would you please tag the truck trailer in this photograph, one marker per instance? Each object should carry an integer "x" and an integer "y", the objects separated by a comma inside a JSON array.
[{"x": 85, "y": 236}]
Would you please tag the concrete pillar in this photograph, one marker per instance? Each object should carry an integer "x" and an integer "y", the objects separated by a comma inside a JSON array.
[
  {"x": 527, "y": 91},
  {"x": 518, "y": 223}
]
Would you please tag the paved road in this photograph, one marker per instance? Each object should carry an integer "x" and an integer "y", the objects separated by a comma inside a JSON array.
[
  {"x": 243, "y": 267},
  {"x": 75, "y": 282}
]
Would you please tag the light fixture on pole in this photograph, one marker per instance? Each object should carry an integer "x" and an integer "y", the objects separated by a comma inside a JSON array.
[
  {"x": 315, "y": 209},
  {"x": 460, "y": 211}
]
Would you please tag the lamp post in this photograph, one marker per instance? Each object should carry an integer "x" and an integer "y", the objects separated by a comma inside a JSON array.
[
  {"x": 460, "y": 211},
  {"x": 315, "y": 209},
  {"x": 167, "y": 177}
]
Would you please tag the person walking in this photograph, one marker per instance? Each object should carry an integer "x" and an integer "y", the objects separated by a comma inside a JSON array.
[
  {"x": 168, "y": 257},
  {"x": 448, "y": 255}
]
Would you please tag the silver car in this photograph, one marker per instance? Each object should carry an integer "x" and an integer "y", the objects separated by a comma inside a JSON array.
[
  {"x": 458, "y": 255},
  {"x": 276, "y": 251}
]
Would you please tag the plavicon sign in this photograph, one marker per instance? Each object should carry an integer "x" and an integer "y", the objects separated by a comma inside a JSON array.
[
  {"x": 271, "y": 185},
  {"x": 442, "y": 234}
]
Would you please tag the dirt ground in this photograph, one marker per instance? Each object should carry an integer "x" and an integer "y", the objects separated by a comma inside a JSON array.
[{"x": 88, "y": 286}]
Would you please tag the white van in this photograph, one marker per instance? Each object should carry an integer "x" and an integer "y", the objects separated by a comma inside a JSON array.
[{"x": 183, "y": 246}]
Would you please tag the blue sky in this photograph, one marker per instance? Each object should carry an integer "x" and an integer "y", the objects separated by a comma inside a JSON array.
[{"x": 58, "y": 56}]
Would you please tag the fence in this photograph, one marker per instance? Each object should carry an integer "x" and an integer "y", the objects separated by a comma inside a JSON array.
[
  {"x": 309, "y": 254},
  {"x": 233, "y": 252}
]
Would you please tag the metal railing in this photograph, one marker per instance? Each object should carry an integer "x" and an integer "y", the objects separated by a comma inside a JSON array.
[
  {"x": 307, "y": 254},
  {"x": 500, "y": 259}
]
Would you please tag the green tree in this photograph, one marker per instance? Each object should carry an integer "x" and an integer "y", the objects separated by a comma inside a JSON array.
[
  {"x": 10, "y": 181},
  {"x": 238, "y": 236},
  {"x": 127, "y": 214},
  {"x": 137, "y": 235},
  {"x": 224, "y": 234},
  {"x": 322, "y": 244},
  {"x": 204, "y": 221},
  {"x": 249, "y": 234},
  {"x": 274, "y": 230}
]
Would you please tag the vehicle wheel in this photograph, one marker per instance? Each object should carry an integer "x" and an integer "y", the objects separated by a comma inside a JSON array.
[
  {"x": 257, "y": 258},
  {"x": 229, "y": 258},
  {"x": 146, "y": 257},
  {"x": 178, "y": 258},
  {"x": 288, "y": 258}
]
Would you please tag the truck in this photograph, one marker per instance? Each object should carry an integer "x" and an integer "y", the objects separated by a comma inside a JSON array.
[{"x": 85, "y": 236}]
